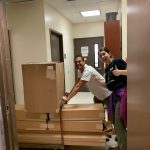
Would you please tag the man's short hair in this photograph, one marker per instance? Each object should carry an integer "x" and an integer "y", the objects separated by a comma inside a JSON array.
[{"x": 79, "y": 55}]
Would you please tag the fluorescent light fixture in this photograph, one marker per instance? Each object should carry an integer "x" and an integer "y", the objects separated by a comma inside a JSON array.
[{"x": 90, "y": 13}]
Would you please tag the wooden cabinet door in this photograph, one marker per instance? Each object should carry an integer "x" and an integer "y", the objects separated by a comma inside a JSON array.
[{"x": 112, "y": 37}]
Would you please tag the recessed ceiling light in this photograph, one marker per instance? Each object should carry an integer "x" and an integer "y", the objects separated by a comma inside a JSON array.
[{"x": 90, "y": 13}]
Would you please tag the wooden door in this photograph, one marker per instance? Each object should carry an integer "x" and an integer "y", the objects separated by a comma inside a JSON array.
[{"x": 138, "y": 25}]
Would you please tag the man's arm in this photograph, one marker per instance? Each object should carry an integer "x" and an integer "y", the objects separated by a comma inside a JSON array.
[{"x": 75, "y": 90}]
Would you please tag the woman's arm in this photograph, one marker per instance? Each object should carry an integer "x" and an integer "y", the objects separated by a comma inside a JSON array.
[{"x": 118, "y": 72}]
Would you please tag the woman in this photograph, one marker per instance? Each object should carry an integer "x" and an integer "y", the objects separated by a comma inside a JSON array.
[{"x": 116, "y": 81}]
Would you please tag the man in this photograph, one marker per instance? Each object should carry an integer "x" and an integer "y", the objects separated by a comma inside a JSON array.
[
  {"x": 95, "y": 82},
  {"x": 87, "y": 75}
]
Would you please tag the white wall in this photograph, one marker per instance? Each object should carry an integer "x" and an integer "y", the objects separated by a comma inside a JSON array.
[
  {"x": 27, "y": 36},
  {"x": 55, "y": 21},
  {"x": 124, "y": 29},
  {"x": 30, "y": 39},
  {"x": 119, "y": 16},
  {"x": 88, "y": 30},
  {"x": 123, "y": 26}
]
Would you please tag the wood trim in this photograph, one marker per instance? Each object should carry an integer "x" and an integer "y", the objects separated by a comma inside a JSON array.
[{"x": 6, "y": 85}]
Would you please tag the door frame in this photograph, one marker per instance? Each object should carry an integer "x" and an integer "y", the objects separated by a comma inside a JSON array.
[{"x": 6, "y": 85}]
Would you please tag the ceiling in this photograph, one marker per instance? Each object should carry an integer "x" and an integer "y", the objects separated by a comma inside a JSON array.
[{"x": 71, "y": 8}]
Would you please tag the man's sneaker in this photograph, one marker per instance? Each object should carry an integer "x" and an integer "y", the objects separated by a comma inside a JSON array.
[{"x": 111, "y": 142}]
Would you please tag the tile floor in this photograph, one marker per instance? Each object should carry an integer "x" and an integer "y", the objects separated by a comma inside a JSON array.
[{"x": 82, "y": 98}]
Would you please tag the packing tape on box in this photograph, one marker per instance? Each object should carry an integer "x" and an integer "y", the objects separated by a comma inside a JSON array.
[
  {"x": 51, "y": 115},
  {"x": 101, "y": 114},
  {"x": 43, "y": 125},
  {"x": 34, "y": 129},
  {"x": 50, "y": 73},
  {"x": 42, "y": 116},
  {"x": 98, "y": 126},
  {"x": 51, "y": 126}
]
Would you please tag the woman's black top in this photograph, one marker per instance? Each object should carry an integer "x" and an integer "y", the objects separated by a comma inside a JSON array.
[{"x": 115, "y": 82}]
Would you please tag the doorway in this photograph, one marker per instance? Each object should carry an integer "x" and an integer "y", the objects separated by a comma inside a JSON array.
[{"x": 56, "y": 41}]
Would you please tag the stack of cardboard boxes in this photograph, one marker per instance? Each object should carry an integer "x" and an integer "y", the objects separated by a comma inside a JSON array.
[
  {"x": 81, "y": 123},
  {"x": 39, "y": 122}
]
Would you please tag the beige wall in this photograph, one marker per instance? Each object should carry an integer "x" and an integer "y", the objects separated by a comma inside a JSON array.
[
  {"x": 27, "y": 36},
  {"x": 55, "y": 21},
  {"x": 30, "y": 40},
  {"x": 81, "y": 30},
  {"x": 119, "y": 15},
  {"x": 123, "y": 25},
  {"x": 124, "y": 29}
]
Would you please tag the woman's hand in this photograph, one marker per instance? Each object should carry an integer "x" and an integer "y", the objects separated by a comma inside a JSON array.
[{"x": 118, "y": 72}]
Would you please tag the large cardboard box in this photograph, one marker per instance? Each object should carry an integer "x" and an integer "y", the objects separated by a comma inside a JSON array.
[
  {"x": 43, "y": 86},
  {"x": 30, "y": 121},
  {"x": 22, "y": 114},
  {"x": 31, "y": 125},
  {"x": 76, "y": 126},
  {"x": 82, "y": 140},
  {"x": 80, "y": 112}
]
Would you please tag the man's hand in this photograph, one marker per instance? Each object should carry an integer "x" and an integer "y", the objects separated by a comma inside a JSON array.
[
  {"x": 65, "y": 98},
  {"x": 74, "y": 91}
]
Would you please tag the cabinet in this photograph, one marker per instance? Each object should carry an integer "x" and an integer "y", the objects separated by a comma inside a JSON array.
[{"x": 112, "y": 37}]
